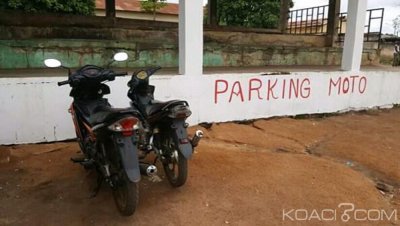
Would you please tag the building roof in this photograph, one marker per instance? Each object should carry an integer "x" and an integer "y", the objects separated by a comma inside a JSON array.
[{"x": 134, "y": 6}]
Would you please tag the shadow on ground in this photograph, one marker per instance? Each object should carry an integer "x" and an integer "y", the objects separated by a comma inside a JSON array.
[{"x": 241, "y": 174}]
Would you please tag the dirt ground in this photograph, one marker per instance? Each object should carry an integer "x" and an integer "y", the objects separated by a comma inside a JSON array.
[{"x": 241, "y": 174}]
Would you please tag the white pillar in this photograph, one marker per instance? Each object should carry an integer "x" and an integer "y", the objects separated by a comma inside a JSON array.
[
  {"x": 354, "y": 38},
  {"x": 190, "y": 37}
]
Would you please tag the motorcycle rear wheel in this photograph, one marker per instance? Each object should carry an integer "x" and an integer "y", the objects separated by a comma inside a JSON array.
[
  {"x": 175, "y": 164},
  {"x": 126, "y": 195}
]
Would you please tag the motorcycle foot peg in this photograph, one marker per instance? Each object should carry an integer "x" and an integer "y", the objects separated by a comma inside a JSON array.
[
  {"x": 148, "y": 169},
  {"x": 89, "y": 164},
  {"x": 86, "y": 163},
  {"x": 196, "y": 138},
  {"x": 78, "y": 159}
]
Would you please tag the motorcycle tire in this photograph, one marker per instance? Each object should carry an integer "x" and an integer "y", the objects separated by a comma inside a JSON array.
[
  {"x": 126, "y": 195},
  {"x": 175, "y": 168}
]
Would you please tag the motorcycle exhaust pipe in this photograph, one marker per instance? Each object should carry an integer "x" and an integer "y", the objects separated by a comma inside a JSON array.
[
  {"x": 196, "y": 138},
  {"x": 147, "y": 169}
]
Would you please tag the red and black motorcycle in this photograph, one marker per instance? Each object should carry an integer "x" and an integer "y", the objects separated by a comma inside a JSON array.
[{"x": 106, "y": 135}]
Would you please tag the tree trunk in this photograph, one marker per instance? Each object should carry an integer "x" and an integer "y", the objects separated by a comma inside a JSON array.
[
  {"x": 283, "y": 16},
  {"x": 333, "y": 22},
  {"x": 212, "y": 13},
  {"x": 154, "y": 10},
  {"x": 110, "y": 8}
]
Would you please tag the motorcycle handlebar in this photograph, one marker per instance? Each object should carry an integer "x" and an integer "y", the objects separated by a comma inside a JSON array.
[
  {"x": 120, "y": 74},
  {"x": 115, "y": 74},
  {"x": 157, "y": 68},
  {"x": 154, "y": 69},
  {"x": 63, "y": 83}
]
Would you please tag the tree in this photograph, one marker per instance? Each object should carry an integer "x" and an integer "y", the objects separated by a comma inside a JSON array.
[
  {"x": 152, "y": 6},
  {"x": 396, "y": 25},
  {"x": 250, "y": 13},
  {"x": 80, "y": 7}
]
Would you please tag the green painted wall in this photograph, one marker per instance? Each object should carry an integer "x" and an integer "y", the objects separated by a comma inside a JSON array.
[
  {"x": 74, "y": 53},
  {"x": 22, "y": 54}
]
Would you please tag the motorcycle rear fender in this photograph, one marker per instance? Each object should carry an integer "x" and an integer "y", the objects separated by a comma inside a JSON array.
[
  {"x": 182, "y": 138},
  {"x": 129, "y": 156}
]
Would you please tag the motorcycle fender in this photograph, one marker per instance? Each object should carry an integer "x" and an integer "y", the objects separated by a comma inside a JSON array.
[
  {"x": 129, "y": 156},
  {"x": 182, "y": 138}
]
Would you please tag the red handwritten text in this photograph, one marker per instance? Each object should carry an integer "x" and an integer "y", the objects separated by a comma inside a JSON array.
[
  {"x": 347, "y": 85},
  {"x": 278, "y": 88}
]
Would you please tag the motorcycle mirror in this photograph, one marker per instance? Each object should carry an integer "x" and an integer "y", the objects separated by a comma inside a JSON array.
[
  {"x": 52, "y": 63},
  {"x": 120, "y": 56}
]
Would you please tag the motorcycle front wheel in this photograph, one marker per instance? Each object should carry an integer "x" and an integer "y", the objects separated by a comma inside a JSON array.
[
  {"x": 126, "y": 194},
  {"x": 175, "y": 164}
]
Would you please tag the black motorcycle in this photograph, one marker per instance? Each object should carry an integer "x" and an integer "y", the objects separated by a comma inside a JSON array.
[
  {"x": 164, "y": 128},
  {"x": 106, "y": 135}
]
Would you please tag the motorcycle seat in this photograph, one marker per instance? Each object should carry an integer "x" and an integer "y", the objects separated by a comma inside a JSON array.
[
  {"x": 156, "y": 106},
  {"x": 107, "y": 113},
  {"x": 98, "y": 111}
]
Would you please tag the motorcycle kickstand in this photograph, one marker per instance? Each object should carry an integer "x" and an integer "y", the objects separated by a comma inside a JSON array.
[{"x": 155, "y": 160}]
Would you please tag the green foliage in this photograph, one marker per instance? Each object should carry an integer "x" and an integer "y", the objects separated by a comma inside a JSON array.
[
  {"x": 80, "y": 7},
  {"x": 250, "y": 13},
  {"x": 152, "y": 6}
]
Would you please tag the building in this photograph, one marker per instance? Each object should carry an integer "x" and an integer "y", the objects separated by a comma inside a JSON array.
[
  {"x": 317, "y": 26},
  {"x": 131, "y": 9}
]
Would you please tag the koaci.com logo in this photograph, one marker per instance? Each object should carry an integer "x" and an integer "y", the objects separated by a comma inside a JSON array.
[{"x": 344, "y": 212}]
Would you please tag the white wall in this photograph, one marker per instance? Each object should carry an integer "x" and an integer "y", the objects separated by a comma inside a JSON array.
[{"x": 35, "y": 109}]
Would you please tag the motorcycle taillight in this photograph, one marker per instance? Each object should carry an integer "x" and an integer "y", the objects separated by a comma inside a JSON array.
[
  {"x": 180, "y": 111},
  {"x": 125, "y": 125}
]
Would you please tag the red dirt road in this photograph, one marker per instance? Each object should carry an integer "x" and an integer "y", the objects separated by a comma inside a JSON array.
[{"x": 242, "y": 174}]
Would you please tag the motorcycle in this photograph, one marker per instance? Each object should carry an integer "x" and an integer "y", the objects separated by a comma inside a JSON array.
[
  {"x": 106, "y": 135},
  {"x": 164, "y": 130}
]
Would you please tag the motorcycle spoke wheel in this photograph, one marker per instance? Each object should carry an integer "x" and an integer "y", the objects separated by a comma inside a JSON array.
[{"x": 175, "y": 165}]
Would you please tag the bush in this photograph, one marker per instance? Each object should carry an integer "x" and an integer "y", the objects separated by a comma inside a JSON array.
[
  {"x": 80, "y": 7},
  {"x": 250, "y": 13}
]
